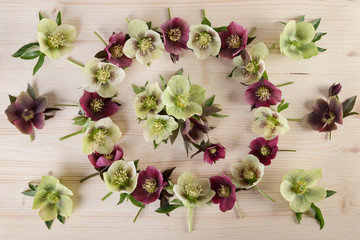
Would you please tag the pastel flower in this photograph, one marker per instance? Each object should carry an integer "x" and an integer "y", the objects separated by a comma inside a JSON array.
[
  {"x": 262, "y": 94},
  {"x": 298, "y": 187},
  {"x": 269, "y": 123},
  {"x": 296, "y": 40},
  {"x": 55, "y": 41},
  {"x": 248, "y": 172},
  {"x": 224, "y": 192},
  {"x": 176, "y": 35},
  {"x": 149, "y": 185},
  {"x": 101, "y": 137},
  {"x": 204, "y": 41},
  {"x": 334, "y": 89},
  {"x": 144, "y": 44},
  {"x": 213, "y": 153},
  {"x": 249, "y": 68},
  {"x": 121, "y": 177},
  {"x": 148, "y": 101},
  {"x": 182, "y": 99},
  {"x": 159, "y": 127},
  {"x": 195, "y": 129},
  {"x": 102, "y": 78},
  {"x": 325, "y": 115},
  {"x": 193, "y": 192},
  {"x": 52, "y": 198},
  {"x": 233, "y": 40},
  {"x": 97, "y": 107},
  {"x": 104, "y": 160},
  {"x": 264, "y": 150},
  {"x": 115, "y": 51}
]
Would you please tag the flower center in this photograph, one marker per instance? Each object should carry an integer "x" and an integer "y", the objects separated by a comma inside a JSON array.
[
  {"x": 103, "y": 75},
  {"x": 301, "y": 187},
  {"x": 109, "y": 156},
  {"x": 213, "y": 150},
  {"x": 263, "y": 93},
  {"x": 182, "y": 100},
  {"x": 145, "y": 45},
  {"x": 295, "y": 43},
  {"x": 328, "y": 118},
  {"x": 149, "y": 102},
  {"x": 121, "y": 178},
  {"x": 265, "y": 151},
  {"x": 100, "y": 136},
  {"x": 224, "y": 191},
  {"x": 252, "y": 67},
  {"x": 159, "y": 126},
  {"x": 27, "y": 114},
  {"x": 56, "y": 40},
  {"x": 174, "y": 34},
  {"x": 271, "y": 122},
  {"x": 117, "y": 51},
  {"x": 204, "y": 39},
  {"x": 193, "y": 191},
  {"x": 233, "y": 41},
  {"x": 249, "y": 175},
  {"x": 52, "y": 198},
  {"x": 150, "y": 185},
  {"x": 97, "y": 105}
]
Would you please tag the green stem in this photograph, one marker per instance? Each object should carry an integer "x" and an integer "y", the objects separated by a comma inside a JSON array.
[
  {"x": 32, "y": 137},
  {"x": 106, "y": 196},
  {"x": 284, "y": 84},
  {"x": 272, "y": 48},
  {"x": 90, "y": 176},
  {"x": 330, "y": 135},
  {"x": 286, "y": 150},
  {"x": 70, "y": 135},
  {"x": 190, "y": 219},
  {"x": 65, "y": 105},
  {"x": 75, "y": 63},
  {"x": 138, "y": 213},
  {"x": 128, "y": 21},
  {"x": 169, "y": 11},
  {"x": 204, "y": 13},
  {"x": 263, "y": 193},
  {"x": 238, "y": 210},
  {"x": 294, "y": 119},
  {"x": 101, "y": 39}
]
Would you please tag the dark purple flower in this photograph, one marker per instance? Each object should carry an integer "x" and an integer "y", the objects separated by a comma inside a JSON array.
[
  {"x": 334, "y": 89},
  {"x": 262, "y": 94},
  {"x": 149, "y": 185},
  {"x": 114, "y": 49},
  {"x": 176, "y": 34},
  {"x": 195, "y": 129},
  {"x": 233, "y": 40},
  {"x": 213, "y": 153},
  {"x": 97, "y": 107},
  {"x": 26, "y": 112},
  {"x": 325, "y": 116},
  {"x": 264, "y": 150},
  {"x": 103, "y": 160},
  {"x": 224, "y": 192}
]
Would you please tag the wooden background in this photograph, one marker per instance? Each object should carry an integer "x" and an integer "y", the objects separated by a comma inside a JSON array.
[{"x": 22, "y": 161}]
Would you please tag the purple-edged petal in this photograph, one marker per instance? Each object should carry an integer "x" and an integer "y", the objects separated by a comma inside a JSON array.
[
  {"x": 24, "y": 126},
  {"x": 23, "y": 101},
  {"x": 12, "y": 113},
  {"x": 235, "y": 28},
  {"x": 223, "y": 36},
  {"x": 315, "y": 121},
  {"x": 103, "y": 162},
  {"x": 39, "y": 105},
  {"x": 227, "y": 204},
  {"x": 320, "y": 107},
  {"x": 337, "y": 109},
  {"x": 39, "y": 120}
]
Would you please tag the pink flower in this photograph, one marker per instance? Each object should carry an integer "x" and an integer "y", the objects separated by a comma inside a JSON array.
[
  {"x": 264, "y": 150},
  {"x": 213, "y": 153},
  {"x": 233, "y": 40},
  {"x": 225, "y": 192},
  {"x": 176, "y": 34},
  {"x": 262, "y": 94},
  {"x": 104, "y": 160},
  {"x": 195, "y": 129},
  {"x": 114, "y": 50}
]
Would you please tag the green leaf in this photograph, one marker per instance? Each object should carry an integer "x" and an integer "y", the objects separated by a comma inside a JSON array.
[
  {"x": 209, "y": 101},
  {"x": 353, "y": 113},
  {"x": 221, "y": 29},
  {"x": 302, "y": 18},
  {"x": 282, "y": 106},
  {"x": 282, "y": 22},
  {"x": 250, "y": 39},
  {"x": 12, "y": 98},
  {"x": 135, "y": 202},
  {"x": 30, "y": 55},
  {"x": 79, "y": 120},
  {"x": 31, "y": 91},
  {"x": 318, "y": 36},
  {"x": 219, "y": 115},
  {"x": 348, "y": 106},
  {"x": 329, "y": 193},
  {"x": 32, "y": 187},
  {"x": 136, "y": 162},
  {"x": 265, "y": 75},
  {"x": 29, "y": 193},
  {"x": 177, "y": 202},
  {"x": 298, "y": 216},
  {"x": 24, "y": 48},
  {"x": 230, "y": 74},
  {"x": 167, "y": 173},
  {"x": 206, "y": 22},
  {"x": 155, "y": 144},
  {"x": 136, "y": 89},
  {"x": 41, "y": 16},
  {"x": 317, "y": 215},
  {"x": 61, "y": 219},
  {"x": 162, "y": 82},
  {"x": 39, "y": 63},
  {"x": 101, "y": 54},
  {"x": 180, "y": 72},
  {"x": 321, "y": 49},
  {"x": 49, "y": 223},
  {"x": 122, "y": 198},
  {"x": 167, "y": 208},
  {"x": 58, "y": 18},
  {"x": 316, "y": 23},
  {"x": 149, "y": 24},
  {"x": 174, "y": 135}
]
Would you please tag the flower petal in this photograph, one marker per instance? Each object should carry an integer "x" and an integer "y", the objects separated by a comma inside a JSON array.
[
  {"x": 309, "y": 50},
  {"x": 300, "y": 204},
  {"x": 65, "y": 206},
  {"x": 136, "y": 28},
  {"x": 130, "y": 48},
  {"x": 259, "y": 51},
  {"x": 311, "y": 176},
  {"x": 47, "y": 26},
  {"x": 197, "y": 94},
  {"x": 68, "y": 31},
  {"x": 305, "y": 32},
  {"x": 315, "y": 194},
  {"x": 286, "y": 190},
  {"x": 290, "y": 30},
  {"x": 48, "y": 183},
  {"x": 49, "y": 212},
  {"x": 62, "y": 190},
  {"x": 40, "y": 199}
]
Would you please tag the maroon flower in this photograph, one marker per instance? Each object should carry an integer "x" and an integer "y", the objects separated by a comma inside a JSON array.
[
  {"x": 264, "y": 150},
  {"x": 262, "y": 94},
  {"x": 334, "y": 89},
  {"x": 26, "y": 112},
  {"x": 103, "y": 160},
  {"x": 149, "y": 185},
  {"x": 195, "y": 129},
  {"x": 213, "y": 153},
  {"x": 176, "y": 34},
  {"x": 97, "y": 107},
  {"x": 233, "y": 40},
  {"x": 225, "y": 192},
  {"x": 325, "y": 116},
  {"x": 114, "y": 49}
]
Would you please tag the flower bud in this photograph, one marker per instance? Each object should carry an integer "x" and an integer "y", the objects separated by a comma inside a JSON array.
[{"x": 334, "y": 89}]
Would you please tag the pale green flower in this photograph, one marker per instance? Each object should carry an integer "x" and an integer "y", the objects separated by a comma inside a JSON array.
[
  {"x": 144, "y": 44},
  {"x": 296, "y": 40},
  {"x": 148, "y": 101},
  {"x": 55, "y": 41},
  {"x": 298, "y": 187},
  {"x": 182, "y": 99},
  {"x": 102, "y": 78},
  {"x": 159, "y": 127},
  {"x": 101, "y": 136},
  {"x": 121, "y": 177},
  {"x": 204, "y": 41},
  {"x": 247, "y": 173},
  {"x": 52, "y": 198}
]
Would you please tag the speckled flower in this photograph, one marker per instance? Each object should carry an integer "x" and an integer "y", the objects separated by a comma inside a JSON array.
[
  {"x": 213, "y": 153},
  {"x": 144, "y": 44},
  {"x": 224, "y": 192},
  {"x": 248, "y": 172},
  {"x": 148, "y": 101},
  {"x": 262, "y": 94},
  {"x": 121, "y": 177},
  {"x": 159, "y": 127},
  {"x": 195, "y": 129},
  {"x": 115, "y": 51},
  {"x": 104, "y": 160},
  {"x": 182, "y": 99},
  {"x": 176, "y": 35},
  {"x": 298, "y": 187},
  {"x": 204, "y": 41},
  {"x": 233, "y": 40},
  {"x": 264, "y": 150}
]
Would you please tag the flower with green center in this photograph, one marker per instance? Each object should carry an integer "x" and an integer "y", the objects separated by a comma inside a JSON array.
[
  {"x": 148, "y": 101},
  {"x": 298, "y": 187},
  {"x": 248, "y": 172},
  {"x": 159, "y": 127},
  {"x": 52, "y": 198},
  {"x": 182, "y": 99},
  {"x": 101, "y": 136},
  {"x": 102, "y": 78},
  {"x": 121, "y": 177},
  {"x": 296, "y": 40},
  {"x": 55, "y": 41}
]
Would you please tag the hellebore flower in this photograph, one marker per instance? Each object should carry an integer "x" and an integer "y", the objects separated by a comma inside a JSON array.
[
  {"x": 149, "y": 185},
  {"x": 233, "y": 40},
  {"x": 148, "y": 101},
  {"x": 296, "y": 40},
  {"x": 224, "y": 192},
  {"x": 52, "y": 198},
  {"x": 101, "y": 137},
  {"x": 204, "y": 41},
  {"x": 325, "y": 116},
  {"x": 55, "y": 41},
  {"x": 121, "y": 177},
  {"x": 182, "y": 99},
  {"x": 298, "y": 187},
  {"x": 26, "y": 112},
  {"x": 115, "y": 51},
  {"x": 195, "y": 129},
  {"x": 249, "y": 68},
  {"x": 176, "y": 35},
  {"x": 264, "y": 150},
  {"x": 262, "y": 94},
  {"x": 213, "y": 153},
  {"x": 269, "y": 123},
  {"x": 97, "y": 107},
  {"x": 159, "y": 127},
  {"x": 144, "y": 44},
  {"x": 334, "y": 89},
  {"x": 104, "y": 160},
  {"x": 248, "y": 172}
]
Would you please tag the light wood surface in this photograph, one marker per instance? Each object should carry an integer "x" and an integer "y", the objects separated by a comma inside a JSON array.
[{"x": 22, "y": 161}]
